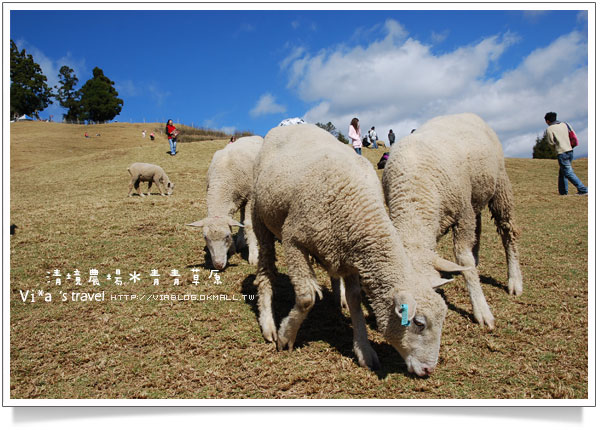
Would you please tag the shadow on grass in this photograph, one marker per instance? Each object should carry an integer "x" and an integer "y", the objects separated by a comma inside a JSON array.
[
  {"x": 493, "y": 282},
  {"x": 325, "y": 322},
  {"x": 453, "y": 308},
  {"x": 469, "y": 315}
]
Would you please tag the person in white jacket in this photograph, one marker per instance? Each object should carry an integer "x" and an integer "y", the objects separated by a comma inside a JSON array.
[
  {"x": 355, "y": 135},
  {"x": 557, "y": 135},
  {"x": 373, "y": 137}
]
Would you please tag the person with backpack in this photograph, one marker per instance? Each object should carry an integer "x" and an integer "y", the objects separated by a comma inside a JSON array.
[
  {"x": 172, "y": 133},
  {"x": 373, "y": 137},
  {"x": 355, "y": 135},
  {"x": 558, "y": 134}
]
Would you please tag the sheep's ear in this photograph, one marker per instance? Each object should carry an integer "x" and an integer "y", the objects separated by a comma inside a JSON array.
[
  {"x": 405, "y": 298},
  {"x": 438, "y": 282},
  {"x": 196, "y": 223},
  {"x": 442, "y": 265},
  {"x": 233, "y": 222}
]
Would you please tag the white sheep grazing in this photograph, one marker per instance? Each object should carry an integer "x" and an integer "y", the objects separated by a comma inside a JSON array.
[
  {"x": 151, "y": 173},
  {"x": 440, "y": 178},
  {"x": 323, "y": 200},
  {"x": 229, "y": 189}
]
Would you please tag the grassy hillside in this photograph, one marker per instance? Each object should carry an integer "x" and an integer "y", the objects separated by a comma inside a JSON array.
[{"x": 69, "y": 200}]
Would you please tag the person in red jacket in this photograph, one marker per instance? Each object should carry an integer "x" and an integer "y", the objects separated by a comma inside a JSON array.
[{"x": 172, "y": 136}]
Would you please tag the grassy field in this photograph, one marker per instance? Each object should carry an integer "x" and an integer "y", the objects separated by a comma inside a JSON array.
[{"x": 69, "y": 201}]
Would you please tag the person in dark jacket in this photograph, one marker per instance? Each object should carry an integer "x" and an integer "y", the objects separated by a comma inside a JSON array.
[{"x": 391, "y": 137}]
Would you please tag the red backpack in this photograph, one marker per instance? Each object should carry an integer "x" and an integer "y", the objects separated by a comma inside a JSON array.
[{"x": 572, "y": 136}]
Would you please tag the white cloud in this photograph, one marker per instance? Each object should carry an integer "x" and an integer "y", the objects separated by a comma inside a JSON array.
[
  {"x": 158, "y": 94},
  {"x": 439, "y": 37},
  {"x": 266, "y": 105},
  {"x": 397, "y": 82},
  {"x": 127, "y": 88}
]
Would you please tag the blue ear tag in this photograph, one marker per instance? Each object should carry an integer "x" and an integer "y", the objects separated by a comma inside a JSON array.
[{"x": 405, "y": 321}]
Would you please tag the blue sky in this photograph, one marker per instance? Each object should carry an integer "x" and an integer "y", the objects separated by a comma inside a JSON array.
[{"x": 248, "y": 70}]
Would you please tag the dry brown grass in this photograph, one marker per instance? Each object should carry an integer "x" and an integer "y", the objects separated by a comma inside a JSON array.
[{"x": 69, "y": 199}]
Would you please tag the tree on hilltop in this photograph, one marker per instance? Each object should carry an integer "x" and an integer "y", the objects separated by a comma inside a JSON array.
[
  {"x": 99, "y": 98},
  {"x": 331, "y": 129},
  {"x": 67, "y": 96},
  {"x": 327, "y": 127},
  {"x": 29, "y": 92},
  {"x": 542, "y": 149}
]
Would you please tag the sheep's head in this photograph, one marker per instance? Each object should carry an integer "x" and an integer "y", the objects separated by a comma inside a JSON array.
[
  {"x": 218, "y": 237},
  {"x": 170, "y": 188},
  {"x": 419, "y": 342}
]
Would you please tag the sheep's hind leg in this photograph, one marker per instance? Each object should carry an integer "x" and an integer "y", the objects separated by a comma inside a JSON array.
[
  {"x": 265, "y": 279},
  {"x": 501, "y": 206},
  {"x": 367, "y": 357},
  {"x": 138, "y": 187},
  {"x": 464, "y": 240},
  {"x": 306, "y": 288},
  {"x": 477, "y": 238}
]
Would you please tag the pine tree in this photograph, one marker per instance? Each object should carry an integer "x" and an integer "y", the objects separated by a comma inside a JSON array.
[
  {"x": 29, "y": 92},
  {"x": 342, "y": 138},
  {"x": 542, "y": 149},
  {"x": 67, "y": 96},
  {"x": 327, "y": 127},
  {"x": 99, "y": 99}
]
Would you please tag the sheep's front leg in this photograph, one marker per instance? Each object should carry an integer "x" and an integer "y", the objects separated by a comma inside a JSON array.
[
  {"x": 367, "y": 357},
  {"x": 250, "y": 235},
  {"x": 339, "y": 292},
  {"x": 464, "y": 240},
  {"x": 159, "y": 185},
  {"x": 305, "y": 287},
  {"x": 150, "y": 185}
]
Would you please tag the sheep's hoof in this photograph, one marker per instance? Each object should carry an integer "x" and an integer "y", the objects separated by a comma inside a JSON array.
[
  {"x": 368, "y": 358},
  {"x": 253, "y": 259},
  {"x": 515, "y": 287},
  {"x": 282, "y": 343},
  {"x": 269, "y": 332},
  {"x": 489, "y": 322}
]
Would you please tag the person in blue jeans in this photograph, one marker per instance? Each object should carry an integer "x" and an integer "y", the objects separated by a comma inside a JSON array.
[
  {"x": 557, "y": 135},
  {"x": 171, "y": 132},
  {"x": 373, "y": 138}
]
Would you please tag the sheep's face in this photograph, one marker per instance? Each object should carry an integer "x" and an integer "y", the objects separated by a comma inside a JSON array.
[
  {"x": 419, "y": 342},
  {"x": 217, "y": 234},
  {"x": 170, "y": 188}
]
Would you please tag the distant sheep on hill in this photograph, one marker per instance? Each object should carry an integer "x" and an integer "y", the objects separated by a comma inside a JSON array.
[
  {"x": 229, "y": 189},
  {"x": 151, "y": 173},
  {"x": 440, "y": 178}
]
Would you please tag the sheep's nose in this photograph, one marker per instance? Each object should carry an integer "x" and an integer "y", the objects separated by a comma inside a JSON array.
[{"x": 428, "y": 370}]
